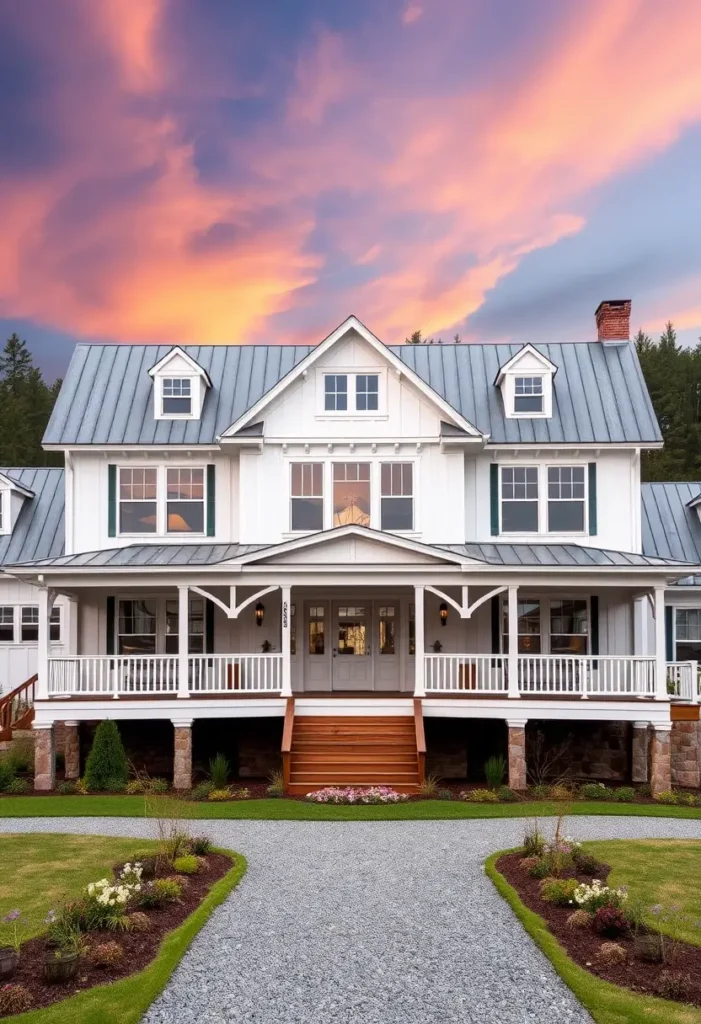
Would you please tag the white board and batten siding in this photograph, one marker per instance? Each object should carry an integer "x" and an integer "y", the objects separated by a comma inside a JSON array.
[{"x": 18, "y": 660}]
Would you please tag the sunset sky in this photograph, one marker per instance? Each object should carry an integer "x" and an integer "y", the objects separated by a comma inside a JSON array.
[{"x": 229, "y": 171}]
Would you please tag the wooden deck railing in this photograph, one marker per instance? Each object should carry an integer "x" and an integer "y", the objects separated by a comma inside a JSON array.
[{"x": 17, "y": 708}]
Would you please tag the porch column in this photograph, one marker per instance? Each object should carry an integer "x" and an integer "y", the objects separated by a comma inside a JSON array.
[
  {"x": 661, "y": 762},
  {"x": 512, "y": 663},
  {"x": 419, "y": 643},
  {"x": 44, "y": 757},
  {"x": 286, "y": 646},
  {"x": 183, "y": 641},
  {"x": 517, "y": 753},
  {"x": 641, "y": 745},
  {"x": 182, "y": 753},
  {"x": 71, "y": 750},
  {"x": 660, "y": 647},
  {"x": 43, "y": 645},
  {"x": 684, "y": 754}
]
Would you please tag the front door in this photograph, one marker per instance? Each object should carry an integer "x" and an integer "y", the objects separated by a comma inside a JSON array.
[
  {"x": 387, "y": 636},
  {"x": 352, "y": 660}
]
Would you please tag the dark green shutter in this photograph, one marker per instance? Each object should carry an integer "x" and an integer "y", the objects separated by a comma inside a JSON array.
[
  {"x": 109, "y": 625},
  {"x": 669, "y": 632},
  {"x": 111, "y": 501},
  {"x": 211, "y": 500},
  {"x": 496, "y": 624},
  {"x": 592, "y": 499},
  {"x": 494, "y": 498},
  {"x": 594, "y": 627},
  {"x": 209, "y": 627}
]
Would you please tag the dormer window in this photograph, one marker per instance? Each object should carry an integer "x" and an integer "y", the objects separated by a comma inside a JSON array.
[
  {"x": 177, "y": 396},
  {"x": 528, "y": 394}
]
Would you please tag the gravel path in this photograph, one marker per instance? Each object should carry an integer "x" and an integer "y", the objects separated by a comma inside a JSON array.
[{"x": 366, "y": 923}]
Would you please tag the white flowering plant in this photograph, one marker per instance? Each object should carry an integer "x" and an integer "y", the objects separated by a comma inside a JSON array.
[
  {"x": 591, "y": 897},
  {"x": 105, "y": 902}
]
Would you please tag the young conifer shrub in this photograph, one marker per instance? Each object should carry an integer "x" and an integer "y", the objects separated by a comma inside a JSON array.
[{"x": 107, "y": 769}]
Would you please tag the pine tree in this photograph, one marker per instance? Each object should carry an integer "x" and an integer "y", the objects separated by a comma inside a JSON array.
[
  {"x": 26, "y": 402},
  {"x": 106, "y": 769}
]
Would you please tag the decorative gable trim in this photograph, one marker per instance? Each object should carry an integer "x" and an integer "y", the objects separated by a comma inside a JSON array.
[
  {"x": 400, "y": 368},
  {"x": 511, "y": 366},
  {"x": 11, "y": 484},
  {"x": 161, "y": 366},
  {"x": 186, "y": 388},
  {"x": 526, "y": 384}
]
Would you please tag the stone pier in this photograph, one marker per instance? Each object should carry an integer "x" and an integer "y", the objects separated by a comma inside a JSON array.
[
  {"x": 684, "y": 754},
  {"x": 661, "y": 766},
  {"x": 517, "y": 755},
  {"x": 182, "y": 759},
  {"x": 44, "y": 758},
  {"x": 640, "y": 752}
]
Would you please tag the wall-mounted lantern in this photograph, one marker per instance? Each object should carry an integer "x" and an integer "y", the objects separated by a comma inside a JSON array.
[
  {"x": 443, "y": 612},
  {"x": 260, "y": 613}
]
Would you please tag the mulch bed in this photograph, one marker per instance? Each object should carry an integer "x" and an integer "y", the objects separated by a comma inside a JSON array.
[
  {"x": 582, "y": 945},
  {"x": 140, "y": 948}
]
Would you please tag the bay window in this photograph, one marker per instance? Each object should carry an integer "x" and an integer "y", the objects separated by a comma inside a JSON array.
[
  {"x": 396, "y": 496},
  {"x": 307, "y": 496}
]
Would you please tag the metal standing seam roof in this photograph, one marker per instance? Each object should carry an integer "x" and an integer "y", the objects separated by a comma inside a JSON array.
[
  {"x": 39, "y": 531},
  {"x": 556, "y": 554},
  {"x": 670, "y": 528},
  {"x": 599, "y": 394}
]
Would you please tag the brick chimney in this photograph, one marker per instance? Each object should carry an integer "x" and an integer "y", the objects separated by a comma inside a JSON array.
[{"x": 613, "y": 320}]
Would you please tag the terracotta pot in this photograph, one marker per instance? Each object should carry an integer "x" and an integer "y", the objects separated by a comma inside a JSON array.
[
  {"x": 8, "y": 961},
  {"x": 59, "y": 966}
]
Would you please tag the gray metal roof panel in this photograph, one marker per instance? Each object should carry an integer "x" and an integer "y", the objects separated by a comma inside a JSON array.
[
  {"x": 107, "y": 394},
  {"x": 39, "y": 529},
  {"x": 138, "y": 555},
  {"x": 670, "y": 528},
  {"x": 557, "y": 554}
]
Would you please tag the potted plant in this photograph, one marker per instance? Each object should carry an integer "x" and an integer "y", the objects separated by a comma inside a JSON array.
[
  {"x": 9, "y": 950},
  {"x": 60, "y": 963},
  {"x": 8, "y": 961}
]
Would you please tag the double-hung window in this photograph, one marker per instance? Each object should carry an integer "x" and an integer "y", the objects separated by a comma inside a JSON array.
[
  {"x": 138, "y": 500},
  {"x": 688, "y": 634},
  {"x": 7, "y": 625},
  {"x": 397, "y": 496},
  {"x": 29, "y": 624},
  {"x": 569, "y": 626},
  {"x": 195, "y": 629},
  {"x": 519, "y": 499},
  {"x": 528, "y": 629},
  {"x": 307, "y": 496},
  {"x": 336, "y": 392},
  {"x": 566, "y": 504},
  {"x": 528, "y": 394},
  {"x": 351, "y": 493},
  {"x": 177, "y": 396},
  {"x": 367, "y": 389},
  {"x": 136, "y": 627},
  {"x": 185, "y": 500}
]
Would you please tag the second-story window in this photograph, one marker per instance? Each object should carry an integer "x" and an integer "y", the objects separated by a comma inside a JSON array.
[
  {"x": 528, "y": 394},
  {"x": 138, "y": 500},
  {"x": 336, "y": 392},
  {"x": 397, "y": 496},
  {"x": 351, "y": 493},
  {"x": 367, "y": 392},
  {"x": 519, "y": 499},
  {"x": 177, "y": 396},
  {"x": 566, "y": 505},
  {"x": 185, "y": 500},
  {"x": 307, "y": 496}
]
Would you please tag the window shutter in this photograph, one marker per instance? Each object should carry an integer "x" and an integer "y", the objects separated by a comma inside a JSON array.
[
  {"x": 669, "y": 632},
  {"x": 110, "y": 624},
  {"x": 594, "y": 627},
  {"x": 209, "y": 627},
  {"x": 494, "y": 498},
  {"x": 592, "y": 499},
  {"x": 496, "y": 624},
  {"x": 111, "y": 501},
  {"x": 211, "y": 500}
]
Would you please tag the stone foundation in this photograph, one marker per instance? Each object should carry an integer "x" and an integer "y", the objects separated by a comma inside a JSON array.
[
  {"x": 587, "y": 750},
  {"x": 182, "y": 761},
  {"x": 517, "y": 756},
  {"x": 71, "y": 750},
  {"x": 640, "y": 752},
  {"x": 660, "y": 766},
  {"x": 44, "y": 759},
  {"x": 684, "y": 754}
]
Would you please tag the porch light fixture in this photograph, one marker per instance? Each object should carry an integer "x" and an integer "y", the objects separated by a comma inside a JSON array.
[
  {"x": 260, "y": 613},
  {"x": 443, "y": 612}
]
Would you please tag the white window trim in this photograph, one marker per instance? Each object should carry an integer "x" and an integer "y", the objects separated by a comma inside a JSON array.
[
  {"x": 161, "y": 499},
  {"x": 17, "y": 640},
  {"x": 195, "y": 396},
  {"x": 545, "y": 601},
  {"x": 290, "y": 498},
  {"x": 509, "y": 393},
  {"x": 351, "y": 413},
  {"x": 543, "y": 499}
]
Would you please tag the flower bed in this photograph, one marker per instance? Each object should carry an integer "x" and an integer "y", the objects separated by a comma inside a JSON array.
[
  {"x": 355, "y": 795},
  {"x": 601, "y": 928},
  {"x": 113, "y": 930}
]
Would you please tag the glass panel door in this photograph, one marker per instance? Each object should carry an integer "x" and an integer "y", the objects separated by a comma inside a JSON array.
[{"x": 352, "y": 651}]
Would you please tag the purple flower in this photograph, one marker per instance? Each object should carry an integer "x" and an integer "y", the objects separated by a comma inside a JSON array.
[{"x": 12, "y": 916}]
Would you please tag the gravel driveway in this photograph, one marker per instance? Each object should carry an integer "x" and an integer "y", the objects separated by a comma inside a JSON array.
[{"x": 366, "y": 922}]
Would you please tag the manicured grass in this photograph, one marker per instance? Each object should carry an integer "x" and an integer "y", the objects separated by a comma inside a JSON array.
[
  {"x": 607, "y": 1003},
  {"x": 125, "y": 1001},
  {"x": 659, "y": 871},
  {"x": 299, "y": 810},
  {"x": 39, "y": 871}
]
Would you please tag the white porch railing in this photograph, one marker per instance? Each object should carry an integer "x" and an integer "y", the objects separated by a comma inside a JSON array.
[
  {"x": 590, "y": 676},
  {"x": 115, "y": 675},
  {"x": 682, "y": 681},
  {"x": 464, "y": 673},
  {"x": 227, "y": 673}
]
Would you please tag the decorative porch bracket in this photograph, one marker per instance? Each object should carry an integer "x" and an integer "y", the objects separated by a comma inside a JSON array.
[
  {"x": 232, "y": 610},
  {"x": 465, "y": 610}
]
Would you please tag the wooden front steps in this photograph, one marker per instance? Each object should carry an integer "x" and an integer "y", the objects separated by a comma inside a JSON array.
[
  {"x": 351, "y": 750},
  {"x": 17, "y": 709}
]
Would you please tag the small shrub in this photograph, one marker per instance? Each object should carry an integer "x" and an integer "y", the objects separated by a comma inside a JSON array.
[
  {"x": 201, "y": 791},
  {"x": 139, "y": 922},
  {"x": 559, "y": 891},
  {"x": 644, "y": 791},
  {"x": 201, "y": 845},
  {"x": 494, "y": 771},
  {"x": 107, "y": 954},
  {"x": 187, "y": 865},
  {"x": 611, "y": 954},
  {"x": 675, "y": 985},
  {"x": 595, "y": 791},
  {"x": 429, "y": 787},
  {"x": 136, "y": 787},
  {"x": 688, "y": 800},
  {"x": 19, "y": 787},
  {"x": 611, "y": 922},
  {"x": 277, "y": 785},
  {"x": 540, "y": 792},
  {"x": 480, "y": 796},
  {"x": 160, "y": 893},
  {"x": 624, "y": 795},
  {"x": 541, "y": 868},
  {"x": 81, "y": 787},
  {"x": 107, "y": 769},
  {"x": 579, "y": 919},
  {"x": 560, "y": 792},
  {"x": 667, "y": 796},
  {"x": 21, "y": 754},
  {"x": 14, "y": 999},
  {"x": 148, "y": 862},
  {"x": 7, "y": 773},
  {"x": 219, "y": 771},
  {"x": 558, "y": 862},
  {"x": 67, "y": 788},
  {"x": 217, "y": 795},
  {"x": 592, "y": 897},
  {"x": 507, "y": 796},
  {"x": 649, "y": 948},
  {"x": 533, "y": 843},
  {"x": 239, "y": 793},
  {"x": 585, "y": 864}
]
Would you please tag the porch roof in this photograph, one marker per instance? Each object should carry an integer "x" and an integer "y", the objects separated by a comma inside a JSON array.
[{"x": 671, "y": 523}]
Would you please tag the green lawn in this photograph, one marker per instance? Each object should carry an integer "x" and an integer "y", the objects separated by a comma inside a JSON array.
[
  {"x": 135, "y": 807},
  {"x": 659, "y": 871}
]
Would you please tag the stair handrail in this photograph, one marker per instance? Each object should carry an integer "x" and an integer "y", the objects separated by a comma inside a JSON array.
[
  {"x": 287, "y": 741},
  {"x": 16, "y": 699},
  {"x": 420, "y": 738}
]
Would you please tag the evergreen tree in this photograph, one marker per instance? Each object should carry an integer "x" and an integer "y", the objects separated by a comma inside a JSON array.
[
  {"x": 26, "y": 402},
  {"x": 106, "y": 768}
]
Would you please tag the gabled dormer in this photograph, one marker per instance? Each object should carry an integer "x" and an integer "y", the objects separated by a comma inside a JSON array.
[
  {"x": 13, "y": 494},
  {"x": 179, "y": 387},
  {"x": 526, "y": 383}
]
